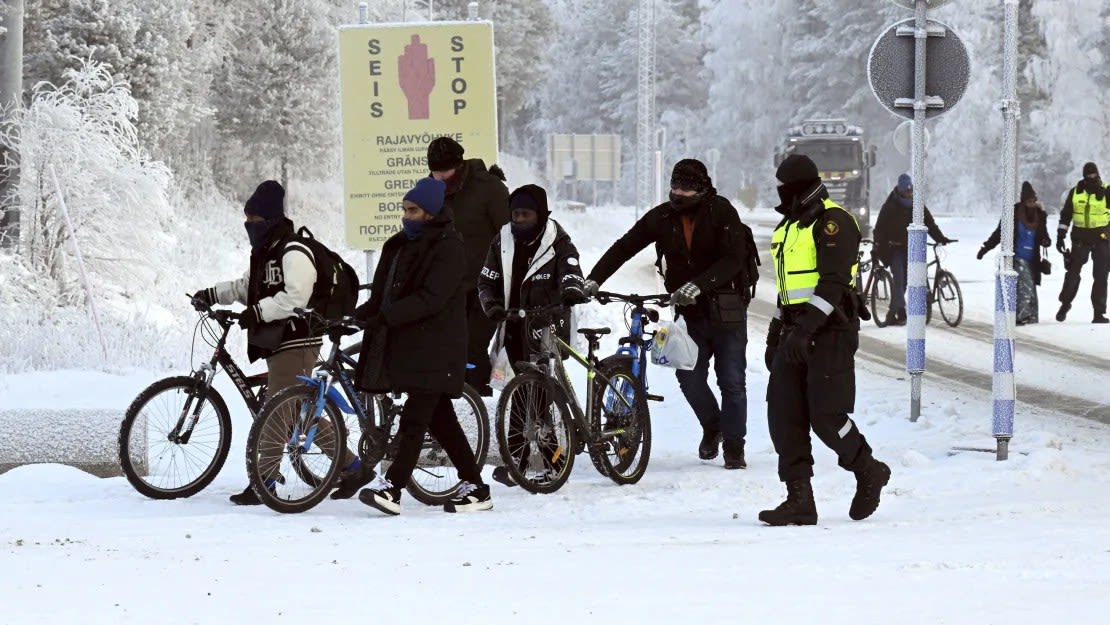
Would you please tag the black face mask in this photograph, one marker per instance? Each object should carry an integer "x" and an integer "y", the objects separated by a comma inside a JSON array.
[
  {"x": 683, "y": 203},
  {"x": 258, "y": 232},
  {"x": 524, "y": 232},
  {"x": 786, "y": 195}
]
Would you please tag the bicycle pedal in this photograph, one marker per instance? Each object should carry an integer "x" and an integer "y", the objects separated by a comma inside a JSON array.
[{"x": 654, "y": 397}]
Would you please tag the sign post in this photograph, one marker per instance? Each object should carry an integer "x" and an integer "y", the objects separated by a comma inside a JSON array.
[{"x": 918, "y": 68}]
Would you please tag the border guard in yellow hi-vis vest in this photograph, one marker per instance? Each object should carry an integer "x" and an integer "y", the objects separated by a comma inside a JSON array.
[
  {"x": 1087, "y": 209},
  {"x": 811, "y": 346}
]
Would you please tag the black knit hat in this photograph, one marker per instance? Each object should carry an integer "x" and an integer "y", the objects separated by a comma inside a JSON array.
[
  {"x": 444, "y": 153},
  {"x": 1027, "y": 192},
  {"x": 267, "y": 201},
  {"x": 531, "y": 197},
  {"x": 690, "y": 174},
  {"x": 797, "y": 169},
  {"x": 1089, "y": 168}
]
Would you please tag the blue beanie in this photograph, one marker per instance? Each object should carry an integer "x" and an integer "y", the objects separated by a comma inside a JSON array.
[
  {"x": 428, "y": 194},
  {"x": 904, "y": 182}
]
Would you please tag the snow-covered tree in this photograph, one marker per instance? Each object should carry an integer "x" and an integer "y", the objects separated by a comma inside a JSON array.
[
  {"x": 276, "y": 92},
  {"x": 115, "y": 195}
]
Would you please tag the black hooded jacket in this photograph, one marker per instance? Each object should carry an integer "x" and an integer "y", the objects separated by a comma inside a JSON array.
[
  {"x": 478, "y": 204},
  {"x": 712, "y": 261}
]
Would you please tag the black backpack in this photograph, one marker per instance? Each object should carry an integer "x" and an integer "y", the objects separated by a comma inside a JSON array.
[
  {"x": 749, "y": 270},
  {"x": 336, "y": 291}
]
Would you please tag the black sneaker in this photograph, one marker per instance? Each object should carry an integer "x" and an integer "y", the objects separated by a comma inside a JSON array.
[
  {"x": 501, "y": 474},
  {"x": 387, "y": 498},
  {"x": 710, "y": 444},
  {"x": 1062, "y": 314},
  {"x": 470, "y": 498},
  {"x": 734, "y": 455},
  {"x": 1099, "y": 318},
  {"x": 248, "y": 496},
  {"x": 351, "y": 480}
]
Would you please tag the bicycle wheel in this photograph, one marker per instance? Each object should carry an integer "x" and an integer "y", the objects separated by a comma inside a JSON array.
[
  {"x": 535, "y": 434},
  {"x": 949, "y": 298},
  {"x": 881, "y": 288},
  {"x": 435, "y": 481},
  {"x": 620, "y": 424},
  {"x": 171, "y": 444},
  {"x": 279, "y": 450}
]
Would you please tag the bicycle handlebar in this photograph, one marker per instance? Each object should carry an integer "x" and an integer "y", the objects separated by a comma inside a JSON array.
[
  {"x": 604, "y": 297},
  {"x": 219, "y": 314},
  {"x": 344, "y": 323}
]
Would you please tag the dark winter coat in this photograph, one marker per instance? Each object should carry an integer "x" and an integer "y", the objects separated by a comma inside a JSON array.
[
  {"x": 890, "y": 228},
  {"x": 1042, "y": 236},
  {"x": 281, "y": 278},
  {"x": 712, "y": 261},
  {"x": 552, "y": 270},
  {"x": 418, "y": 295},
  {"x": 478, "y": 203}
]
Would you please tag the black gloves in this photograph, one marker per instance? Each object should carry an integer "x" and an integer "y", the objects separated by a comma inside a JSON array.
[
  {"x": 796, "y": 348},
  {"x": 944, "y": 241},
  {"x": 686, "y": 295},
  {"x": 496, "y": 313},
  {"x": 1060, "y": 243},
  {"x": 249, "y": 320},
  {"x": 982, "y": 253},
  {"x": 590, "y": 288},
  {"x": 204, "y": 299},
  {"x": 774, "y": 334},
  {"x": 572, "y": 296}
]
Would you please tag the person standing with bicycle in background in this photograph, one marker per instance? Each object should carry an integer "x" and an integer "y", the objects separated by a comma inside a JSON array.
[
  {"x": 477, "y": 201},
  {"x": 811, "y": 346},
  {"x": 702, "y": 252},
  {"x": 890, "y": 238},
  {"x": 1089, "y": 208},
  {"x": 281, "y": 278},
  {"x": 532, "y": 263},
  {"x": 414, "y": 342}
]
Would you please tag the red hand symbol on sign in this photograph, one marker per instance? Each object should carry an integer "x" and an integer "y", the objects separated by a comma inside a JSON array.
[{"x": 417, "y": 75}]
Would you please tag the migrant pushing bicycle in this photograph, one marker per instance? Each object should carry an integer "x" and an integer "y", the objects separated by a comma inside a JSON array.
[{"x": 296, "y": 446}]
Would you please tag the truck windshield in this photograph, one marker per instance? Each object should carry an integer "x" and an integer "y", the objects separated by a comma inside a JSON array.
[{"x": 833, "y": 156}]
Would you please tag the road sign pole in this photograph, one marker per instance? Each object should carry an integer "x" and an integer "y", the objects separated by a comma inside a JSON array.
[
  {"x": 917, "y": 293},
  {"x": 1003, "y": 387}
]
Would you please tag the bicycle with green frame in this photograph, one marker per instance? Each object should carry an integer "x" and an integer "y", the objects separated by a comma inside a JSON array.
[{"x": 541, "y": 426}]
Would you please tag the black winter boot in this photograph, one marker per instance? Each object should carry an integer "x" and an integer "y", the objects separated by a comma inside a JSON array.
[
  {"x": 870, "y": 480},
  {"x": 798, "y": 509},
  {"x": 734, "y": 454},
  {"x": 710, "y": 444},
  {"x": 1100, "y": 318},
  {"x": 1062, "y": 314}
]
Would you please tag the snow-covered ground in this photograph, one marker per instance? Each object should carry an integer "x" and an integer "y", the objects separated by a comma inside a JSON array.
[{"x": 959, "y": 538}]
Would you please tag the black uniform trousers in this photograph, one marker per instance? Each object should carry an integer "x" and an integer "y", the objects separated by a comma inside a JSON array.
[
  {"x": 817, "y": 395},
  {"x": 1098, "y": 250}
]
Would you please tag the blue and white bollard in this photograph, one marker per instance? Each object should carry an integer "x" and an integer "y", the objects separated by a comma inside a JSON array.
[
  {"x": 917, "y": 300},
  {"x": 1003, "y": 384}
]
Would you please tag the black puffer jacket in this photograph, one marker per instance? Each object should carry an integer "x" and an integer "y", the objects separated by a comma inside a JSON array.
[
  {"x": 478, "y": 204},
  {"x": 712, "y": 261},
  {"x": 890, "y": 228},
  {"x": 552, "y": 269},
  {"x": 418, "y": 292}
]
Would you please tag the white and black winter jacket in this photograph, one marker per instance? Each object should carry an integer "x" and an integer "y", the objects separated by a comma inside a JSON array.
[{"x": 279, "y": 280}]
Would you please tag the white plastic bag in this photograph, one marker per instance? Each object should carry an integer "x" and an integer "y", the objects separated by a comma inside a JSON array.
[
  {"x": 502, "y": 372},
  {"x": 672, "y": 346}
]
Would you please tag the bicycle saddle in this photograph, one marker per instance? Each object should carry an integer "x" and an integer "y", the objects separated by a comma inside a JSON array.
[{"x": 594, "y": 331}]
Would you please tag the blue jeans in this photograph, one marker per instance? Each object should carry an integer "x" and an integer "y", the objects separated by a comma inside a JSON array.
[{"x": 727, "y": 348}]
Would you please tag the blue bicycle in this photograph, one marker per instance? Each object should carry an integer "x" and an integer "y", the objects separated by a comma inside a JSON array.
[
  {"x": 305, "y": 435},
  {"x": 540, "y": 424}
]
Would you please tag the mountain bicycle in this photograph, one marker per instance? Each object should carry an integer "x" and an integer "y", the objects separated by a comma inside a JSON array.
[
  {"x": 296, "y": 445},
  {"x": 540, "y": 424},
  {"x": 944, "y": 291},
  {"x": 175, "y": 436},
  {"x": 879, "y": 286}
]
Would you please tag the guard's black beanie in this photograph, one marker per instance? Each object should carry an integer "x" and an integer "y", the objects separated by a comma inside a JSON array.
[
  {"x": 797, "y": 170},
  {"x": 1089, "y": 168}
]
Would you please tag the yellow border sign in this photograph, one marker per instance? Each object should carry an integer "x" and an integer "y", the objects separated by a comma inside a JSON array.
[{"x": 402, "y": 85}]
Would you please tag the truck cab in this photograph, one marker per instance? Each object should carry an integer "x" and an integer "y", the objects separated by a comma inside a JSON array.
[{"x": 843, "y": 158}]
